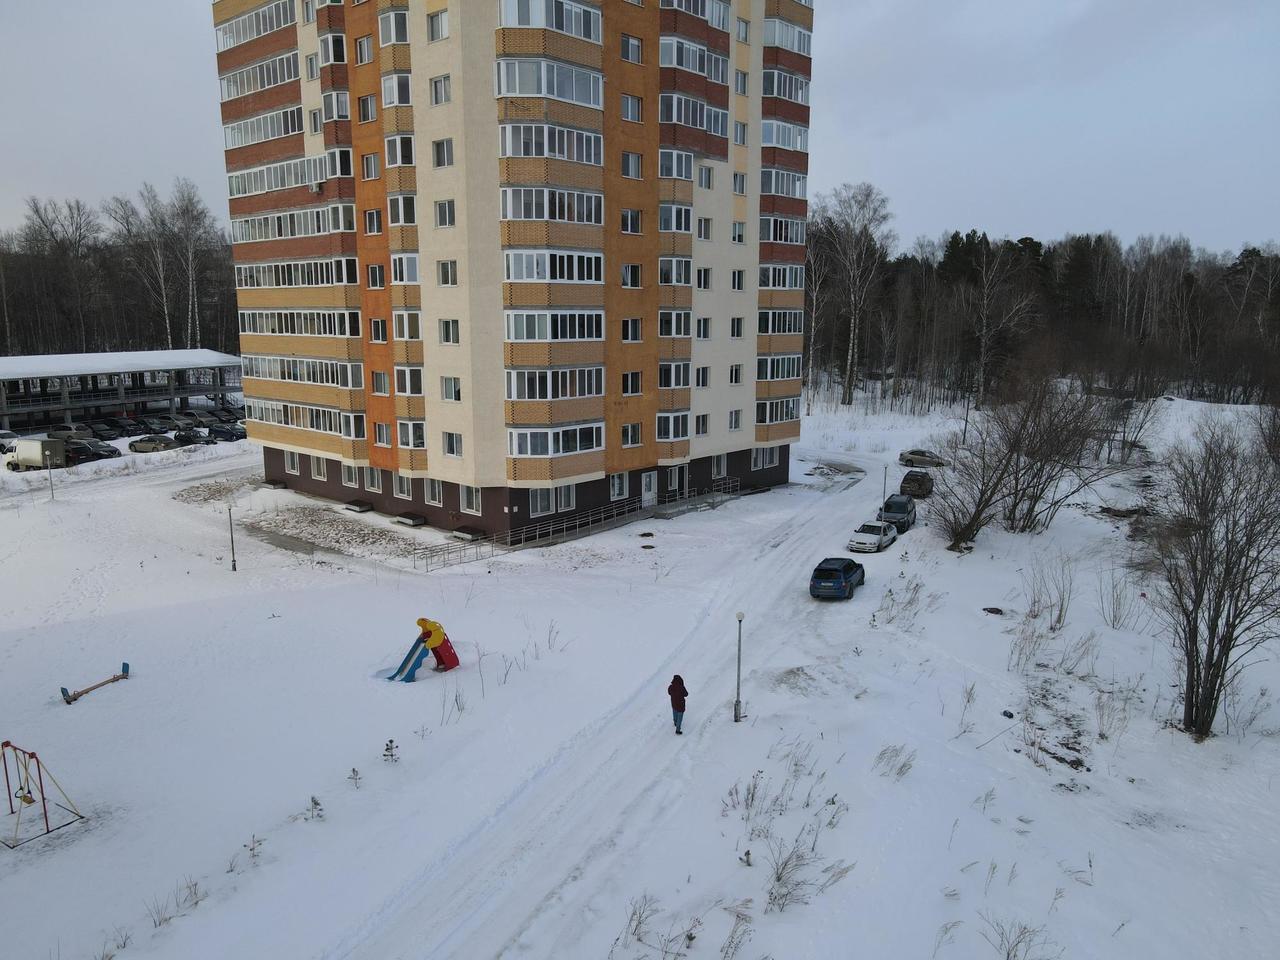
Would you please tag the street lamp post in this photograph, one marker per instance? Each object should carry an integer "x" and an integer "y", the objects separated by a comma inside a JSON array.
[{"x": 737, "y": 700}]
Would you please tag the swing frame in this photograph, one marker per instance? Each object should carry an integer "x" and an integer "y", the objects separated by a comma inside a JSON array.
[{"x": 23, "y": 762}]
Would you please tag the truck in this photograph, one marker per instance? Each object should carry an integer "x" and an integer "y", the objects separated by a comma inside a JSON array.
[{"x": 36, "y": 455}]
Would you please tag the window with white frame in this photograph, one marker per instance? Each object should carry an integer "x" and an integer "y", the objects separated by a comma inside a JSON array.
[
  {"x": 735, "y": 373},
  {"x": 778, "y": 411},
  {"x": 702, "y": 424},
  {"x": 778, "y": 367},
  {"x": 291, "y": 463},
  {"x": 786, "y": 86},
  {"x": 673, "y": 375},
  {"x": 260, "y": 76},
  {"x": 631, "y": 435},
  {"x": 450, "y": 331},
  {"x": 311, "y": 323},
  {"x": 781, "y": 321},
  {"x": 298, "y": 273},
  {"x": 632, "y": 49},
  {"x": 706, "y": 177},
  {"x": 402, "y": 210},
  {"x": 382, "y": 434},
  {"x": 552, "y": 203},
  {"x": 364, "y": 51},
  {"x": 632, "y": 108},
  {"x": 367, "y": 108},
  {"x": 437, "y": 26},
  {"x": 263, "y": 127},
  {"x": 372, "y": 222},
  {"x": 702, "y": 377},
  {"x": 738, "y": 232},
  {"x": 740, "y": 184},
  {"x": 350, "y": 476},
  {"x": 558, "y": 384},
  {"x": 704, "y": 278},
  {"x": 452, "y": 443},
  {"x": 673, "y": 426},
  {"x": 784, "y": 183},
  {"x": 377, "y": 279},
  {"x": 404, "y": 268},
  {"x": 631, "y": 383},
  {"x": 786, "y": 136},
  {"x": 763, "y": 458},
  {"x": 675, "y": 271},
  {"x": 632, "y": 330},
  {"x": 782, "y": 33},
  {"x": 434, "y": 492},
  {"x": 553, "y": 266},
  {"x": 447, "y": 273},
  {"x": 451, "y": 389},
  {"x": 566, "y": 497},
  {"x": 541, "y": 502},
  {"x": 551, "y": 79},
  {"x": 739, "y": 133},
  {"x": 393, "y": 27},
  {"x": 675, "y": 165},
  {"x": 403, "y": 487},
  {"x": 369, "y": 166},
  {"x": 441, "y": 90},
  {"x": 445, "y": 213},
  {"x": 377, "y": 330},
  {"x": 407, "y": 324},
  {"x": 523, "y": 325},
  {"x": 400, "y": 150},
  {"x": 735, "y": 328},
  {"x": 617, "y": 486},
  {"x": 396, "y": 91},
  {"x": 719, "y": 466},
  {"x": 329, "y": 373},
  {"x": 738, "y": 280},
  {"x": 545, "y": 140},
  {"x": 674, "y": 323},
  {"x": 412, "y": 434},
  {"x": 632, "y": 165},
  {"x": 333, "y": 49},
  {"x": 380, "y": 383},
  {"x": 409, "y": 381},
  {"x": 565, "y": 16},
  {"x": 469, "y": 499},
  {"x": 774, "y": 229},
  {"x": 442, "y": 152},
  {"x": 782, "y": 276},
  {"x": 555, "y": 441},
  {"x": 675, "y": 218},
  {"x": 703, "y": 328},
  {"x": 256, "y": 23},
  {"x": 631, "y": 220},
  {"x": 338, "y": 218},
  {"x": 631, "y": 275},
  {"x": 735, "y": 419},
  {"x": 373, "y": 479}
]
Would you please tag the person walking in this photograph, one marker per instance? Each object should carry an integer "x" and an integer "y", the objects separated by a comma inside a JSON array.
[{"x": 677, "y": 693}]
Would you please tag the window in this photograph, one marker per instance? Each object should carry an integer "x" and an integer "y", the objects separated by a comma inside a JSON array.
[
  {"x": 737, "y": 232},
  {"x": 441, "y": 90},
  {"x": 631, "y": 330},
  {"x": 377, "y": 330},
  {"x": 442, "y": 153},
  {"x": 631, "y": 435},
  {"x": 675, "y": 164},
  {"x": 409, "y": 381},
  {"x": 556, "y": 441},
  {"x": 553, "y": 266},
  {"x": 674, "y": 218},
  {"x": 404, "y": 268},
  {"x": 704, "y": 328},
  {"x": 551, "y": 79},
  {"x": 617, "y": 486},
  {"x": 449, "y": 332},
  {"x": 407, "y": 324},
  {"x": 781, "y": 321},
  {"x": 298, "y": 273},
  {"x": 631, "y": 221},
  {"x": 744, "y": 31},
  {"x": 735, "y": 328},
  {"x": 673, "y": 376},
  {"x": 735, "y": 373},
  {"x": 764, "y": 457},
  {"x": 705, "y": 177},
  {"x": 673, "y": 323},
  {"x": 631, "y": 383},
  {"x": 786, "y": 86},
  {"x": 631, "y": 275},
  {"x": 403, "y": 210},
  {"x": 314, "y": 323},
  {"x": 447, "y": 273},
  {"x": 784, "y": 183},
  {"x": 632, "y": 108},
  {"x": 673, "y": 426},
  {"x": 444, "y": 213},
  {"x": 778, "y": 367},
  {"x": 403, "y": 487},
  {"x": 382, "y": 434},
  {"x": 254, "y": 24},
  {"x": 783, "y": 230},
  {"x": 739, "y": 133},
  {"x": 317, "y": 121},
  {"x": 373, "y": 479},
  {"x": 556, "y": 384},
  {"x": 781, "y": 33},
  {"x": 632, "y": 165},
  {"x": 738, "y": 279},
  {"x": 451, "y": 389},
  {"x": 702, "y": 377},
  {"x": 333, "y": 49},
  {"x": 337, "y": 105},
  {"x": 395, "y": 90},
  {"x": 380, "y": 383},
  {"x": 781, "y": 276},
  {"x": 369, "y": 166},
  {"x": 364, "y": 50},
  {"x": 313, "y": 66},
  {"x": 674, "y": 271},
  {"x": 704, "y": 278},
  {"x": 740, "y": 82},
  {"x": 368, "y": 107},
  {"x": 350, "y": 476},
  {"x": 393, "y": 27},
  {"x": 291, "y": 462},
  {"x": 777, "y": 411},
  {"x": 565, "y": 16},
  {"x": 372, "y": 222},
  {"x": 719, "y": 466},
  {"x": 787, "y": 136},
  {"x": 437, "y": 26},
  {"x": 552, "y": 203},
  {"x": 265, "y": 126},
  {"x": 735, "y": 419},
  {"x": 452, "y": 444},
  {"x": 568, "y": 325},
  {"x": 540, "y": 502},
  {"x": 704, "y": 228},
  {"x": 561, "y": 143},
  {"x": 434, "y": 492},
  {"x": 740, "y": 184},
  {"x": 260, "y": 76},
  {"x": 632, "y": 49},
  {"x": 400, "y": 150},
  {"x": 702, "y": 424},
  {"x": 566, "y": 497},
  {"x": 377, "y": 276}
]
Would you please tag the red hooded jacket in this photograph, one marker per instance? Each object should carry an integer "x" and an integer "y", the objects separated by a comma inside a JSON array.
[{"x": 677, "y": 692}]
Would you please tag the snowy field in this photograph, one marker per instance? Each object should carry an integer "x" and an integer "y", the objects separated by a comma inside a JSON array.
[{"x": 541, "y": 806}]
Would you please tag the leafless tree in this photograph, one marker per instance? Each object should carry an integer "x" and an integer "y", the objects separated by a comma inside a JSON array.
[
  {"x": 142, "y": 233},
  {"x": 997, "y": 305},
  {"x": 191, "y": 235},
  {"x": 971, "y": 492},
  {"x": 1268, "y": 425},
  {"x": 8, "y": 246},
  {"x": 818, "y": 269},
  {"x": 861, "y": 245},
  {"x": 67, "y": 232},
  {"x": 1217, "y": 545}
]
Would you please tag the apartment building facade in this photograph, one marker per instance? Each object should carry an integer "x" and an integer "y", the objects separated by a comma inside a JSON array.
[{"x": 501, "y": 261}]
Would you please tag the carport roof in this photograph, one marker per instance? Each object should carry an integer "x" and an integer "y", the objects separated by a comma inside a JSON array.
[{"x": 86, "y": 364}]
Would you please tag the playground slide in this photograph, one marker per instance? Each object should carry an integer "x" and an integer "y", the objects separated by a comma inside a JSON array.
[{"x": 414, "y": 659}]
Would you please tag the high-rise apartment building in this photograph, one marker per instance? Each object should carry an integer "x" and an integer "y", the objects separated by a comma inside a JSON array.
[{"x": 504, "y": 260}]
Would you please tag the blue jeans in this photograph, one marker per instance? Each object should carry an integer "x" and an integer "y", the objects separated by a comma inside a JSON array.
[{"x": 678, "y": 717}]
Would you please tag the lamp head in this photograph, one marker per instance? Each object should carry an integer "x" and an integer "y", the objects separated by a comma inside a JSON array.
[{"x": 740, "y": 616}]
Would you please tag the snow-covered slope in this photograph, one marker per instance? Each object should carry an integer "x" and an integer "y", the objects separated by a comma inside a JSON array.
[{"x": 540, "y": 792}]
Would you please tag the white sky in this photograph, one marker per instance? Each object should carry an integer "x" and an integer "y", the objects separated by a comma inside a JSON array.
[{"x": 1016, "y": 116}]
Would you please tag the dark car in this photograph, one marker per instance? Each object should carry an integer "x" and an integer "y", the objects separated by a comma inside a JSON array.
[
  {"x": 836, "y": 578},
  {"x": 126, "y": 426},
  {"x": 104, "y": 431},
  {"x": 237, "y": 413},
  {"x": 78, "y": 452},
  {"x": 916, "y": 484},
  {"x": 900, "y": 511},
  {"x": 189, "y": 438},
  {"x": 227, "y": 431},
  {"x": 223, "y": 416},
  {"x": 153, "y": 443},
  {"x": 152, "y": 424},
  {"x": 203, "y": 418}
]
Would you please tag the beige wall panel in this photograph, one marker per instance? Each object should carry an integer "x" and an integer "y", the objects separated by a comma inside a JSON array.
[{"x": 293, "y": 345}]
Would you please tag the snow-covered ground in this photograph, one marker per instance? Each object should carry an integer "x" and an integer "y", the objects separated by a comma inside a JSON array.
[{"x": 540, "y": 792}]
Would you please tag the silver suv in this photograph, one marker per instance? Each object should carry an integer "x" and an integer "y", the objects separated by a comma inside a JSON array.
[{"x": 900, "y": 510}]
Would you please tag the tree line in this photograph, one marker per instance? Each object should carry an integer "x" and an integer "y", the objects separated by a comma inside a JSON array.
[
  {"x": 968, "y": 315},
  {"x": 135, "y": 273}
]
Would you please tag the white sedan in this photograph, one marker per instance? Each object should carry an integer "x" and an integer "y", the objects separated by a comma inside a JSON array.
[{"x": 873, "y": 537}]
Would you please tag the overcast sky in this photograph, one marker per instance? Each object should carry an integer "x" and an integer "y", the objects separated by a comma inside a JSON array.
[{"x": 1020, "y": 117}]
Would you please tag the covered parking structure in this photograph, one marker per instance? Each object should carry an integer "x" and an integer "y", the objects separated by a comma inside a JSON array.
[{"x": 45, "y": 390}]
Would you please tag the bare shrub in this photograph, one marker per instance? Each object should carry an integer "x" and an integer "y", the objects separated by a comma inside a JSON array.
[
  {"x": 188, "y": 894},
  {"x": 159, "y": 912},
  {"x": 1117, "y": 600},
  {"x": 894, "y": 760},
  {"x": 737, "y": 938},
  {"x": 1078, "y": 658},
  {"x": 1014, "y": 940},
  {"x": 1242, "y": 713},
  {"x": 121, "y": 937},
  {"x": 790, "y": 866},
  {"x": 945, "y": 935},
  {"x": 1111, "y": 714},
  {"x": 1033, "y": 742},
  {"x": 1027, "y": 646}
]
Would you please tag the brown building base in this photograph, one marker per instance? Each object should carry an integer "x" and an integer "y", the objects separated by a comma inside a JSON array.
[{"x": 507, "y": 508}]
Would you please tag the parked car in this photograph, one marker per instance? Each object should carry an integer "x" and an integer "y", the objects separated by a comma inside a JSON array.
[
  {"x": 126, "y": 426},
  {"x": 193, "y": 437},
  {"x": 154, "y": 424},
  {"x": 105, "y": 451},
  {"x": 836, "y": 578},
  {"x": 237, "y": 413},
  {"x": 36, "y": 454},
  {"x": 87, "y": 451},
  {"x": 7, "y": 439},
  {"x": 224, "y": 416},
  {"x": 920, "y": 458},
  {"x": 916, "y": 484},
  {"x": 227, "y": 431},
  {"x": 70, "y": 431},
  {"x": 171, "y": 422},
  {"x": 872, "y": 537},
  {"x": 151, "y": 444},
  {"x": 900, "y": 511},
  {"x": 203, "y": 418},
  {"x": 104, "y": 431}
]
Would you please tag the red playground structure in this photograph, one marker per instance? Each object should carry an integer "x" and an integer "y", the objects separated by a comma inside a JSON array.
[{"x": 24, "y": 788}]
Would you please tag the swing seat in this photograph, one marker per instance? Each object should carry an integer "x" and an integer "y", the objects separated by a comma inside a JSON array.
[{"x": 26, "y": 798}]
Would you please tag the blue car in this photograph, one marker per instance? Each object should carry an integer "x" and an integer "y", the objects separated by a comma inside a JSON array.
[{"x": 836, "y": 578}]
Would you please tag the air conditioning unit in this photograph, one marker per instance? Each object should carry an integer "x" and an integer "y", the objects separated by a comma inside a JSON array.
[{"x": 314, "y": 187}]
